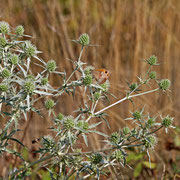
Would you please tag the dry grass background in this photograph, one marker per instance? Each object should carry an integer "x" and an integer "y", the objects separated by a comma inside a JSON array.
[{"x": 127, "y": 31}]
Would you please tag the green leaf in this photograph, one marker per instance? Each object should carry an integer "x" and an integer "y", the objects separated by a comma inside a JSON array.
[
  {"x": 25, "y": 154},
  {"x": 13, "y": 152},
  {"x": 137, "y": 170},
  {"x": 134, "y": 157},
  {"x": 13, "y": 139},
  {"x": 177, "y": 140},
  {"x": 8, "y": 124},
  {"x": 46, "y": 175},
  {"x": 12, "y": 133},
  {"x": 149, "y": 165}
]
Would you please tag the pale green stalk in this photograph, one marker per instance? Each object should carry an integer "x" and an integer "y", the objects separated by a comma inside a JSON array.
[{"x": 125, "y": 98}]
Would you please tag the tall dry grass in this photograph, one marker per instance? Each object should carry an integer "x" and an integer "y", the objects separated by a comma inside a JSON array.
[{"x": 126, "y": 31}]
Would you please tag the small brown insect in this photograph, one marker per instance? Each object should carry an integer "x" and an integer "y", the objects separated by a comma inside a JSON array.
[
  {"x": 35, "y": 140},
  {"x": 101, "y": 75}
]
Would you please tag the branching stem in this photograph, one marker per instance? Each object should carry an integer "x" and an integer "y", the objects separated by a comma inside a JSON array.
[{"x": 125, "y": 98}]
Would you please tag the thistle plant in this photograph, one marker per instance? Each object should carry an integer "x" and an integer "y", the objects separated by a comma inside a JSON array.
[{"x": 20, "y": 88}]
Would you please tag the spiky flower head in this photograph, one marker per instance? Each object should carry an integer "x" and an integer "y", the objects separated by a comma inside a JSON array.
[
  {"x": 69, "y": 122},
  {"x": 29, "y": 87},
  {"x": 96, "y": 158},
  {"x": 5, "y": 73},
  {"x": 167, "y": 121},
  {"x": 51, "y": 66},
  {"x": 126, "y": 130},
  {"x": 114, "y": 138},
  {"x": 96, "y": 96},
  {"x": 150, "y": 122},
  {"x": 83, "y": 125},
  {"x": 14, "y": 59},
  {"x": 88, "y": 70},
  {"x": 84, "y": 39},
  {"x": 3, "y": 87},
  {"x": 4, "y": 27},
  {"x": 44, "y": 81},
  {"x": 48, "y": 142},
  {"x": 164, "y": 84},
  {"x": 60, "y": 116},
  {"x": 3, "y": 42},
  {"x": 30, "y": 49},
  {"x": 137, "y": 115},
  {"x": 105, "y": 86},
  {"x": 87, "y": 80},
  {"x": 152, "y": 75},
  {"x": 133, "y": 86},
  {"x": 152, "y": 60},
  {"x": 150, "y": 141},
  {"x": 19, "y": 30},
  {"x": 30, "y": 77},
  {"x": 49, "y": 104},
  {"x": 118, "y": 155}
]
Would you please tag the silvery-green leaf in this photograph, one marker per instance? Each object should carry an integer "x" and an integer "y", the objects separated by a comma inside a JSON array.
[
  {"x": 57, "y": 72},
  {"x": 38, "y": 52},
  {"x": 24, "y": 72},
  {"x": 39, "y": 60},
  {"x": 27, "y": 36},
  {"x": 69, "y": 137},
  {"x": 19, "y": 42},
  {"x": 42, "y": 92},
  {"x": 97, "y": 86},
  {"x": 24, "y": 113},
  {"x": 42, "y": 87},
  {"x": 28, "y": 63},
  {"x": 20, "y": 82},
  {"x": 38, "y": 75},
  {"x": 94, "y": 125},
  {"x": 85, "y": 139},
  {"x": 38, "y": 65},
  {"x": 28, "y": 101},
  {"x": 80, "y": 129},
  {"x": 100, "y": 133},
  {"x": 17, "y": 50}
]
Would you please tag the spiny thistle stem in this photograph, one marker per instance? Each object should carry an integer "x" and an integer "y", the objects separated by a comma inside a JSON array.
[
  {"x": 71, "y": 75},
  {"x": 128, "y": 144},
  {"x": 79, "y": 59},
  {"x": 125, "y": 98},
  {"x": 77, "y": 66}
]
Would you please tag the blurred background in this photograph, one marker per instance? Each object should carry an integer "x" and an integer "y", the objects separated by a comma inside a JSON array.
[{"x": 127, "y": 32}]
